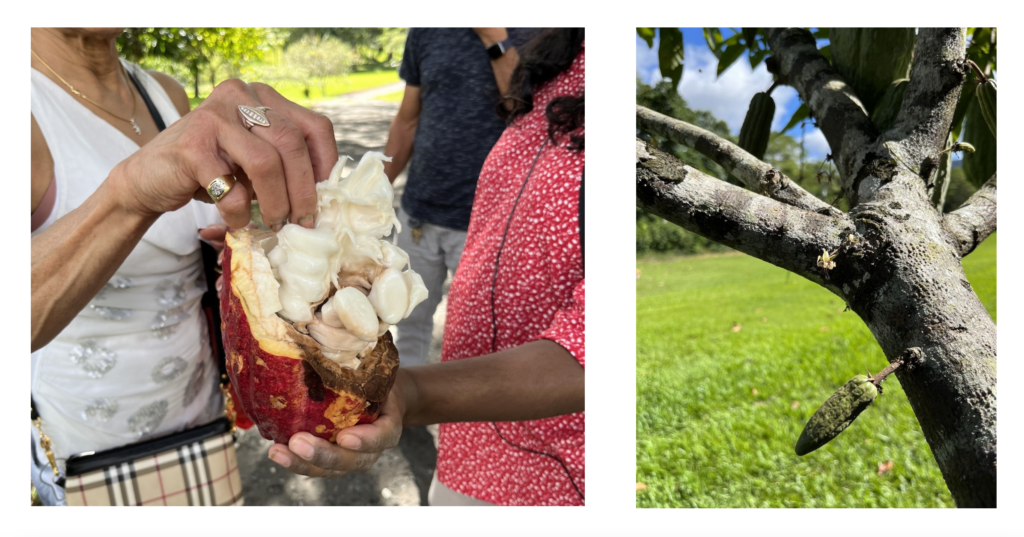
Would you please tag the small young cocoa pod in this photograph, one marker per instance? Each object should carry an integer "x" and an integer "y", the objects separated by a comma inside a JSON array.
[
  {"x": 889, "y": 107},
  {"x": 757, "y": 125},
  {"x": 837, "y": 413},
  {"x": 986, "y": 94}
]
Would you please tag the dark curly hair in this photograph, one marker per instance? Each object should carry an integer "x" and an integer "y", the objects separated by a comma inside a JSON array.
[{"x": 548, "y": 54}]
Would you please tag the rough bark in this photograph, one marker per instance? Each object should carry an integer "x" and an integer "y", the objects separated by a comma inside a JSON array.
[
  {"x": 778, "y": 233},
  {"x": 755, "y": 174},
  {"x": 936, "y": 77},
  {"x": 899, "y": 264},
  {"x": 975, "y": 220}
]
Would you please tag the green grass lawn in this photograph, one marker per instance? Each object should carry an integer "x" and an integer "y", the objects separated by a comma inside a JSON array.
[
  {"x": 719, "y": 409},
  {"x": 334, "y": 86},
  {"x": 395, "y": 97}
]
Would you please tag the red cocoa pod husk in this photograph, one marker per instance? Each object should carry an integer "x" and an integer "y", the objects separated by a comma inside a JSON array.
[{"x": 283, "y": 382}]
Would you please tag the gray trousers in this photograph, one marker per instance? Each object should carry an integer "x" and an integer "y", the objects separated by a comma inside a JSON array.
[{"x": 437, "y": 252}]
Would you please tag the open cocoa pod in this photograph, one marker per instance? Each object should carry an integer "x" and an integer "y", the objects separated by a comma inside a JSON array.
[{"x": 305, "y": 313}]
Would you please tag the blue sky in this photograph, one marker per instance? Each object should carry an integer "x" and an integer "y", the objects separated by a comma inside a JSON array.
[{"x": 728, "y": 96}]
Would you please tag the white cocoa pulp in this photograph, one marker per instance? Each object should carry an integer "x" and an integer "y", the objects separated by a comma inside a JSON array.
[{"x": 342, "y": 282}]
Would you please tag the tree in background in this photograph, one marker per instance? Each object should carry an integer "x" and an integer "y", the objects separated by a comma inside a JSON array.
[
  {"x": 320, "y": 57},
  {"x": 375, "y": 47},
  {"x": 897, "y": 254},
  {"x": 196, "y": 49}
]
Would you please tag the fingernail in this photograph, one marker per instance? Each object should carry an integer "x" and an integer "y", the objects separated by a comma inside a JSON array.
[
  {"x": 350, "y": 442},
  {"x": 277, "y": 227},
  {"x": 302, "y": 449},
  {"x": 306, "y": 219},
  {"x": 219, "y": 285},
  {"x": 280, "y": 458}
]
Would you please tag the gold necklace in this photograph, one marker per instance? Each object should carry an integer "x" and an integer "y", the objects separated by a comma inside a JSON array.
[{"x": 135, "y": 104}]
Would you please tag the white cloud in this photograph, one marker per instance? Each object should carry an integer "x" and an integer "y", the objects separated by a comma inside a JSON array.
[
  {"x": 816, "y": 145},
  {"x": 728, "y": 96},
  {"x": 647, "y": 61}
]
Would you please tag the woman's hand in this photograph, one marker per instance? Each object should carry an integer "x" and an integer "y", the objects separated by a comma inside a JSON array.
[
  {"x": 357, "y": 448},
  {"x": 278, "y": 164}
]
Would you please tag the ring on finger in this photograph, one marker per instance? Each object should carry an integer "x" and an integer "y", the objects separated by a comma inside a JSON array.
[
  {"x": 220, "y": 186},
  {"x": 254, "y": 115}
]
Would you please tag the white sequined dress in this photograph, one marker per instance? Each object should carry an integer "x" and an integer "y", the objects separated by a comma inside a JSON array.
[{"x": 136, "y": 362}]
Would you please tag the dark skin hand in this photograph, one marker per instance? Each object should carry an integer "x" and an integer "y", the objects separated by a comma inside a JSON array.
[{"x": 533, "y": 381}]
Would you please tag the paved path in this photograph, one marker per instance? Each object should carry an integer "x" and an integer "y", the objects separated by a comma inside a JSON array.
[{"x": 402, "y": 475}]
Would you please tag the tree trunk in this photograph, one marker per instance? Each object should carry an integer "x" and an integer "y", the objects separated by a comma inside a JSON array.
[{"x": 912, "y": 293}]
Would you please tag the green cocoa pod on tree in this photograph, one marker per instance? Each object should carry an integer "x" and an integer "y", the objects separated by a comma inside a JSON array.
[
  {"x": 757, "y": 126},
  {"x": 889, "y": 107},
  {"x": 869, "y": 59},
  {"x": 837, "y": 413},
  {"x": 980, "y": 165},
  {"x": 987, "y": 103}
]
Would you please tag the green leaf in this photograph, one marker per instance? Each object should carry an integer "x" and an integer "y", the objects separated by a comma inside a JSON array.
[
  {"x": 826, "y": 51},
  {"x": 821, "y": 33},
  {"x": 647, "y": 34},
  {"x": 757, "y": 57},
  {"x": 966, "y": 98},
  {"x": 750, "y": 36},
  {"x": 670, "y": 54},
  {"x": 801, "y": 114},
  {"x": 980, "y": 165},
  {"x": 714, "y": 40},
  {"x": 731, "y": 53}
]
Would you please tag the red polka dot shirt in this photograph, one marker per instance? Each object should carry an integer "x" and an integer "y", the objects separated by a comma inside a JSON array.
[{"x": 538, "y": 293}]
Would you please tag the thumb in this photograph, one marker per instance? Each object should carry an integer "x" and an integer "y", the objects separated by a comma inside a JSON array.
[
  {"x": 216, "y": 232},
  {"x": 372, "y": 437}
]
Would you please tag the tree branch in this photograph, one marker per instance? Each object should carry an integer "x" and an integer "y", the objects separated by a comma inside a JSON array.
[
  {"x": 775, "y": 232},
  {"x": 975, "y": 220},
  {"x": 936, "y": 78},
  {"x": 837, "y": 109},
  {"x": 755, "y": 174}
]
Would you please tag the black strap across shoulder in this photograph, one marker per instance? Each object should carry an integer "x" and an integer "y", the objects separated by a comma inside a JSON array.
[{"x": 160, "y": 125}]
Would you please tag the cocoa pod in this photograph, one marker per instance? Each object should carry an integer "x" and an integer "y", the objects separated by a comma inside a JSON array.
[
  {"x": 757, "y": 125},
  {"x": 281, "y": 379},
  {"x": 987, "y": 104},
  {"x": 889, "y": 107},
  {"x": 980, "y": 165},
  {"x": 837, "y": 413},
  {"x": 870, "y": 59}
]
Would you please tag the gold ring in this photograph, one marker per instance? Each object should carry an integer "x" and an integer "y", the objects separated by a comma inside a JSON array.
[
  {"x": 254, "y": 115},
  {"x": 220, "y": 187}
]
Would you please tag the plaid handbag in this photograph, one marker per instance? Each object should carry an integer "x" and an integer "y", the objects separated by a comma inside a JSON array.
[{"x": 195, "y": 467}]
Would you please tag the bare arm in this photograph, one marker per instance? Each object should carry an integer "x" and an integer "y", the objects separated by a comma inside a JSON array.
[
  {"x": 403, "y": 132},
  {"x": 42, "y": 165},
  {"x": 504, "y": 65},
  {"x": 66, "y": 275},
  {"x": 533, "y": 381},
  {"x": 174, "y": 90}
]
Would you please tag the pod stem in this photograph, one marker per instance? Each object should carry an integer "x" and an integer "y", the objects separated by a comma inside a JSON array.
[
  {"x": 910, "y": 357},
  {"x": 774, "y": 84},
  {"x": 977, "y": 70}
]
